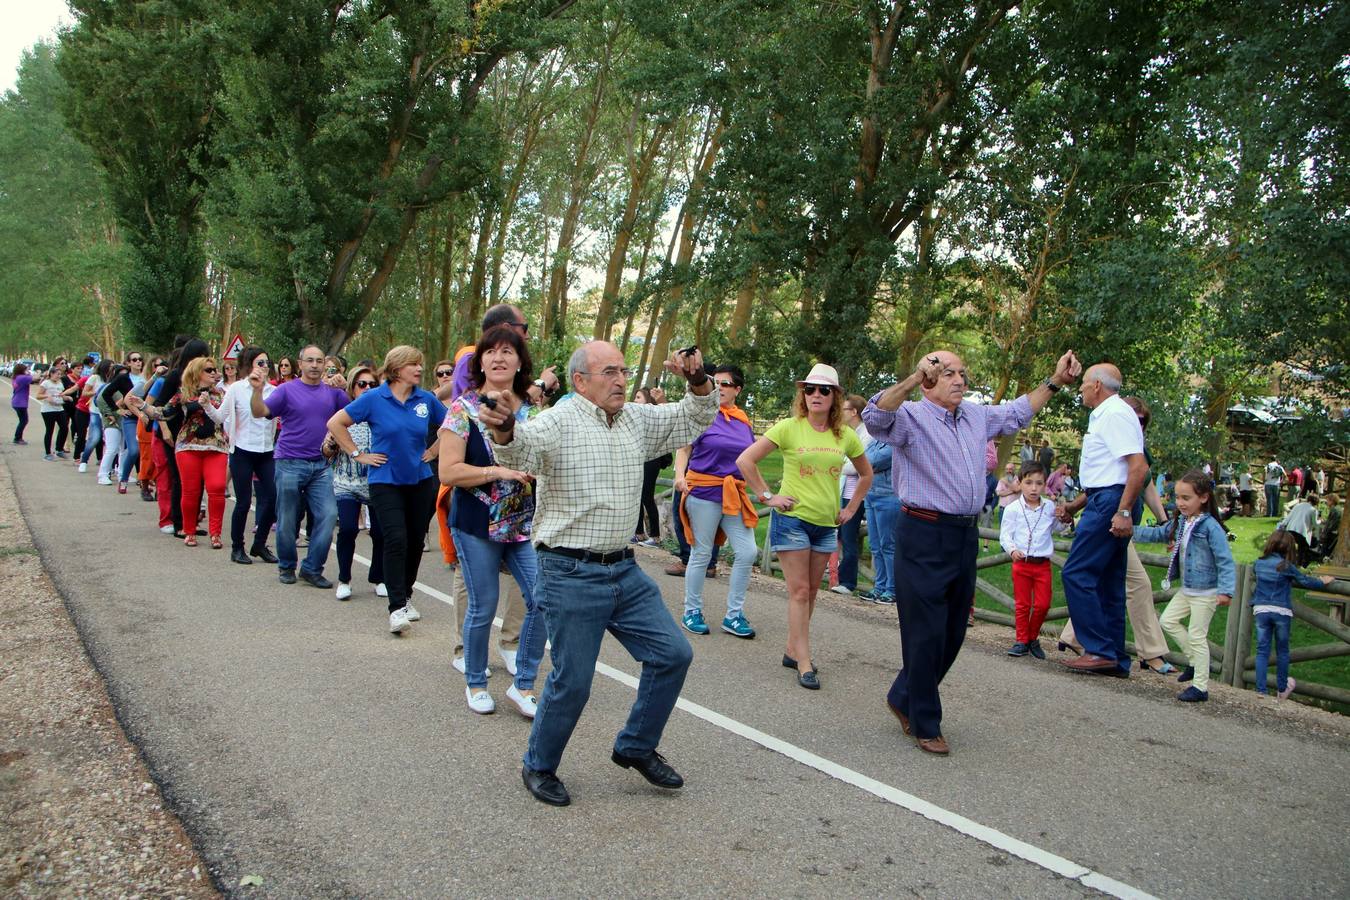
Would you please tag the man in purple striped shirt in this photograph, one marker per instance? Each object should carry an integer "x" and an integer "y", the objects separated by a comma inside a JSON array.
[{"x": 938, "y": 448}]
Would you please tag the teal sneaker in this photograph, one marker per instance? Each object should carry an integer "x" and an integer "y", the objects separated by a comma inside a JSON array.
[
  {"x": 694, "y": 624},
  {"x": 738, "y": 626}
]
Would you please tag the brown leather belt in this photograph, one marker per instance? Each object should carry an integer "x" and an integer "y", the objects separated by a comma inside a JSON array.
[{"x": 932, "y": 515}]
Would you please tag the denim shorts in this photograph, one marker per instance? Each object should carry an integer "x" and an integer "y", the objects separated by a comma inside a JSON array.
[{"x": 790, "y": 533}]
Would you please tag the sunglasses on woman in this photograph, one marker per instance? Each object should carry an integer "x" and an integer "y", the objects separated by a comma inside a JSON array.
[
  {"x": 444, "y": 373},
  {"x": 367, "y": 384},
  {"x": 809, "y": 389},
  {"x": 210, "y": 370}
]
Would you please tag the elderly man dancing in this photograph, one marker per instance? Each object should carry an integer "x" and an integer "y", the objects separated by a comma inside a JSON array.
[{"x": 938, "y": 450}]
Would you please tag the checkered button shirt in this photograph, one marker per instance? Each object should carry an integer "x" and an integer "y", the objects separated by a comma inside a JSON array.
[{"x": 589, "y": 470}]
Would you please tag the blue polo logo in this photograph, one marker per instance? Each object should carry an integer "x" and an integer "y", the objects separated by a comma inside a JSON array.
[{"x": 421, "y": 410}]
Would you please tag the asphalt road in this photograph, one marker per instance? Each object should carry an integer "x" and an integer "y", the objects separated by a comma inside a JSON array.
[{"x": 302, "y": 743}]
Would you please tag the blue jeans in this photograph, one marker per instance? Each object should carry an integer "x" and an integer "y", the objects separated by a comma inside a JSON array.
[
  {"x": 791, "y": 533},
  {"x": 850, "y": 546},
  {"x": 301, "y": 483},
  {"x": 1094, "y": 579},
  {"x": 882, "y": 513},
  {"x": 131, "y": 448},
  {"x": 685, "y": 549},
  {"x": 1272, "y": 499},
  {"x": 704, "y": 518},
  {"x": 480, "y": 565},
  {"x": 93, "y": 436},
  {"x": 580, "y": 602},
  {"x": 1276, "y": 625}
]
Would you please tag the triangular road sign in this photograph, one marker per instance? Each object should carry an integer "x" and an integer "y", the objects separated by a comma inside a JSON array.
[{"x": 236, "y": 347}]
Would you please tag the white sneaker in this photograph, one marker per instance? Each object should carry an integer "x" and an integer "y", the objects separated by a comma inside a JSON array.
[
  {"x": 104, "y": 480},
  {"x": 398, "y": 621},
  {"x": 344, "y": 591},
  {"x": 840, "y": 589},
  {"x": 413, "y": 614},
  {"x": 381, "y": 590},
  {"x": 459, "y": 666},
  {"x": 166, "y": 529},
  {"x": 508, "y": 657},
  {"x": 526, "y": 703},
  {"x": 84, "y": 467},
  {"x": 480, "y": 701}
]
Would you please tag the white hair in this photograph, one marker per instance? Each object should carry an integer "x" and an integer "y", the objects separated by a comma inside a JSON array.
[
  {"x": 1108, "y": 381},
  {"x": 577, "y": 362}
]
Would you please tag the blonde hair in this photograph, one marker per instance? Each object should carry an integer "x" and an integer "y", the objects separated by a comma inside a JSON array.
[
  {"x": 397, "y": 358},
  {"x": 836, "y": 418},
  {"x": 192, "y": 375}
]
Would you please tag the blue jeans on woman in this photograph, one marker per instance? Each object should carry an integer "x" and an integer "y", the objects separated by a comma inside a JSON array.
[
  {"x": 131, "y": 448},
  {"x": 92, "y": 437},
  {"x": 580, "y": 601},
  {"x": 705, "y": 516},
  {"x": 480, "y": 565},
  {"x": 1272, "y": 625},
  {"x": 883, "y": 510}
]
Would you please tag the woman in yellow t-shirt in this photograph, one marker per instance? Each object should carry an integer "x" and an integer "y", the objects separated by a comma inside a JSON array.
[{"x": 806, "y": 514}]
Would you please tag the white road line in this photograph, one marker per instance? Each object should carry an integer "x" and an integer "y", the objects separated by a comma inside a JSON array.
[{"x": 1051, "y": 862}]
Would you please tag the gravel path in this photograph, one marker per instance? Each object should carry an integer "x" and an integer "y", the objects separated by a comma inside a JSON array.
[{"x": 80, "y": 815}]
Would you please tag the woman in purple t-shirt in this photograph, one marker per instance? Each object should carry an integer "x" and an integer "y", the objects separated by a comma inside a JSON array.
[
  {"x": 22, "y": 386},
  {"x": 714, "y": 499}
]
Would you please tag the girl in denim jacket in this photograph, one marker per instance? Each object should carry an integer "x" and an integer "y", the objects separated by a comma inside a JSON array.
[
  {"x": 1201, "y": 556},
  {"x": 1276, "y": 571}
]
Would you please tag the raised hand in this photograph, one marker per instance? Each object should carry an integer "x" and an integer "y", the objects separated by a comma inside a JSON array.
[{"x": 929, "y": 368}]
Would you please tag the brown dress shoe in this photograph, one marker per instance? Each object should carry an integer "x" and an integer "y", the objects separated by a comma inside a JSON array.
[
  {"x": 935, "y": 745},
  {"x": 1089, "y": 662},
  {"x": 904, "y": 719},
  {"x": 675, "y": 569}
]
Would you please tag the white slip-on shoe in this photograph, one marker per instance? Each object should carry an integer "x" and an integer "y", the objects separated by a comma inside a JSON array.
[
  {"x": 398, "y": 622},
  {"x": 84, "y": 467},
  {"x": 526, "y": 703},
  {"x": 166, "y": 529},
  {"x": 344, "y": 591},
  {"x": 480, "y": 701},
  {"x": 508, "y": 657},
  {"x": 413, "y": 614},
  {"x": 381, "y": 590}
]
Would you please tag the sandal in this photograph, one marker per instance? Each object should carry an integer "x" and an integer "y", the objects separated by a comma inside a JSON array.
[
  {"x": 215, "y": 542},
  {"x": 190, "y": 541},
  {"x": 1165, "y": 669}
]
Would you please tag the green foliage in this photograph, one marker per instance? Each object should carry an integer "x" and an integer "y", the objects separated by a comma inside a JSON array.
[{"x": 57, "y": 240}]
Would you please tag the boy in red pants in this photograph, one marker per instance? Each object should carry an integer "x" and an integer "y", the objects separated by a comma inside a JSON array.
[{"x": 1025, "y": 533}]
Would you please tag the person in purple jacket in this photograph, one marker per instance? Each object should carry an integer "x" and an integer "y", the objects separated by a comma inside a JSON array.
[
  {"x": 304, "y": 405},
  {"x": 713, "y": 501},
  {"x": 22, "y": 387}
]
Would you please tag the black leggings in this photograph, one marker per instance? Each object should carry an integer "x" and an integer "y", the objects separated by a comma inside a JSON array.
[
  {"x": 79, "y": 427},
  {"x": 53, "y": 421},
  {"x": 349, "y": 523},
  {"x": 244, "y": 464},
  {"x": 647, "y": 511},
  {"x": 22, "y": 413},
  {"x": 403, "y": 511}
]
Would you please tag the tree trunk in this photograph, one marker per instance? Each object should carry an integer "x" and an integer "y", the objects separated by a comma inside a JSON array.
[
  {"x": 738, "y": 331},
  {"x": 447, "y": 271}
]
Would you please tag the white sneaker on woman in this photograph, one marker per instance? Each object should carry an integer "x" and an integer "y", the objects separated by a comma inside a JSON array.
[
  {"x": 344, "y": 591},
  {"x": 480, "y": 701},
  {"x": 381, "y": 590},
  {"x": 508, "y": 657},
  {"x": 413, "y": 614},
  {"x": 526, "y": 703},
  {"x": 398, "y": 621}
]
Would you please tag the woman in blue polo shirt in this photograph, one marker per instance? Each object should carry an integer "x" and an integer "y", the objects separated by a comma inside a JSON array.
[{"x": 402, "y": 487}]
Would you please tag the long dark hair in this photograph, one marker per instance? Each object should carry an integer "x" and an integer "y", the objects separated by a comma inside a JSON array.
[
  {"x": 503, "y": 334},
  {"x": 1282, "y": 543},
  {"x": 1203, "y": 486}
]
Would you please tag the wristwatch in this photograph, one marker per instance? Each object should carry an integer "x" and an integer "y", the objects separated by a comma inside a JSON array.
[
  {"x": 766, "y": 496},
  {"x": 355, "y": 453},
  {"x": 1050, "y": 385},
  {"x": 539, "y": 383},
  {"x": 1123, "y": 512}
]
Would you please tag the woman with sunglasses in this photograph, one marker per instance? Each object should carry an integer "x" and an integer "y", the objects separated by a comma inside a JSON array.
[
  {"x": 351, "y": 486},
  {"x": 713, "y": 506},
  {"x": 252, "y": 441},
  {"x": 285, "y": 371},
  {"x": 804, "y": 529},
  {"x": 490, "y": 520},
  {"x": 201, "y": 449}
]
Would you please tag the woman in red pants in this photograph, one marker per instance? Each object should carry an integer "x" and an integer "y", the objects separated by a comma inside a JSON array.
[{"x": 201, "y": 450}]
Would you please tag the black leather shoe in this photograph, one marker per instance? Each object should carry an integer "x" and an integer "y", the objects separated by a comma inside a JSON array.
[
  {"x": 239, "y": 556},
  {"x": 809, "y": 680},
  {"x": 654, "y": 768},
  {"x": 790, "y": 663},
  {"x": 264, "y": 554},
  {"x": 317, "y": 581},
  {"x": 545, "y": 786},
  {"x": 286, "y": 576}
]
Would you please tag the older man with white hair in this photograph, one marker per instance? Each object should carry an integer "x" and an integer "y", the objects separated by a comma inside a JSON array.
[
  {"x": 587, "y": 455},
  {"x": 1112, "y": 471}
]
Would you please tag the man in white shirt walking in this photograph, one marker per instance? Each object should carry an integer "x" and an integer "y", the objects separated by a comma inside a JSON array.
[{"x": 1112, "y": 472}]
